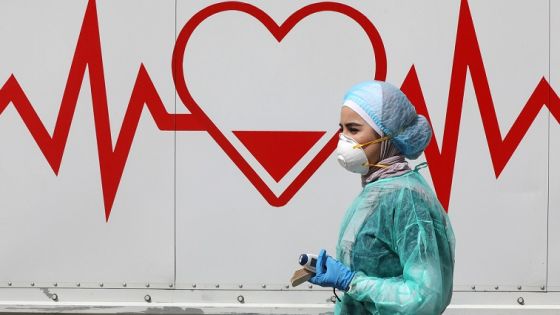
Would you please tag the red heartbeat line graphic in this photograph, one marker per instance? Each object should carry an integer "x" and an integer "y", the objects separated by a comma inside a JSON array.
[
  {"x": 112, "y": 161},
  {"x": 468, "y": 55}
]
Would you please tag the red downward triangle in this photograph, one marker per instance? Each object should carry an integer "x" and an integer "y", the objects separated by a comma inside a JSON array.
[{"x": 278, "y": 151}]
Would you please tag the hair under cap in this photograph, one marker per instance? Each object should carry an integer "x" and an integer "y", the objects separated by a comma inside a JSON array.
[{"x": 391, "y": 112}]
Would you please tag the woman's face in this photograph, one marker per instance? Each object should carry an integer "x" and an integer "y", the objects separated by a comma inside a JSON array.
[{"x": 353, "y": 126}]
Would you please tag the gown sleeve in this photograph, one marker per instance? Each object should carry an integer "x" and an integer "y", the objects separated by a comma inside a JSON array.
[{"x": 419, "y": 290}]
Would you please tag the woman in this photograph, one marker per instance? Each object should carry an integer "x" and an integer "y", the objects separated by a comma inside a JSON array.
[{"x": 396, "y": 246}]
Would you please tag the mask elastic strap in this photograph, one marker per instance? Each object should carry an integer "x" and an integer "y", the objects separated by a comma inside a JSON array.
[
  {"x": 421, "y": 166},
  {"x": 371, "y": 142}
]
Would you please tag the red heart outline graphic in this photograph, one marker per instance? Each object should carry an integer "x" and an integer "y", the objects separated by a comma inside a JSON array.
[{"x": 279, "y": 32}]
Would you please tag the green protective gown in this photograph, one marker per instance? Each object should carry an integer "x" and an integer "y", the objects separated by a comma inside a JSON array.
[{"x": 398, "y": 239}]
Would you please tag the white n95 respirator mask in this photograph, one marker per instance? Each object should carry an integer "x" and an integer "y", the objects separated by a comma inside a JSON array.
[{"x": 352, "y": 156}]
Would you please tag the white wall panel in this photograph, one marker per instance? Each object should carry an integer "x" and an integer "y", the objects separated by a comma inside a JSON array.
[
  {"x": 554, "y": 207},
  {"x": 500, "y": 223},
  {"x": 185, "y": 211},
  {"x": 227, "y": 233},
  {"x": 244, "y": 80},
  {"x": 53, "y": 228}
]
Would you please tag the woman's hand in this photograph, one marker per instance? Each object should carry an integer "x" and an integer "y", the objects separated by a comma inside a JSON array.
[{"x": 331, "y": 273}]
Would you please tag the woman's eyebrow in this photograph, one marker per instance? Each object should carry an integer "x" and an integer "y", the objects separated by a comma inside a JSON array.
[{"x": 350, "y": 125}]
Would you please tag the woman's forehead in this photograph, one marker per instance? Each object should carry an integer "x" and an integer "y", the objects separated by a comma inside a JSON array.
[{"x": 348, "y": 115}]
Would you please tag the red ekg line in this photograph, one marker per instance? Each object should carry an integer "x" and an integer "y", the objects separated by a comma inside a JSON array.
[
  {"x": 112, "y": 161},
  {"x": 467, "y": 55}
]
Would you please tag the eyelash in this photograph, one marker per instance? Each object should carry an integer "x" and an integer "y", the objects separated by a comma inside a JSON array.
[{"x": 353, "y": 130}]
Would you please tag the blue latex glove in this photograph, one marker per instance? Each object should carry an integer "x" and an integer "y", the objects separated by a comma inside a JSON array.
[{"x": 331, "y": 273}]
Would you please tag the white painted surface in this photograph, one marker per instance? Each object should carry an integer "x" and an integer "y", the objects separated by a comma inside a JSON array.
[
  {"x": 53, "y": 228},
  {"x": 185, "y": 214},
  {"x": 554, "y": 210}
]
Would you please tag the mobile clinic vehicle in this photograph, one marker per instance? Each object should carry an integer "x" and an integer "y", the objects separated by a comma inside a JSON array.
[{"x": 170, "y": 156}]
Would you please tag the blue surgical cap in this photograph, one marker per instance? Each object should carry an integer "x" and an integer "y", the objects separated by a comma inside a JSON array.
[{"x": 392, "y": 112}]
